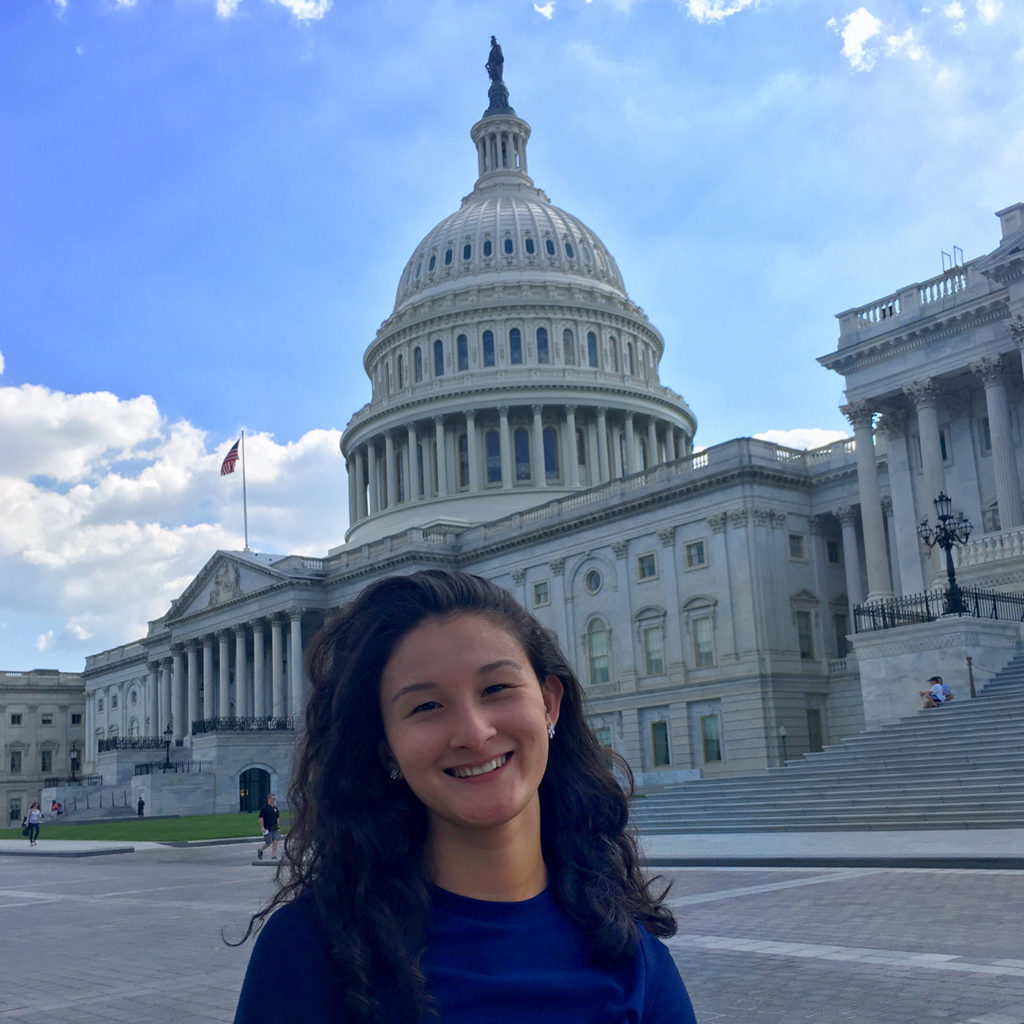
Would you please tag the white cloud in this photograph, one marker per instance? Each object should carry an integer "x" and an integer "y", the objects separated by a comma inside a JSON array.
[
  {"x": 109, "y": 511},
  {"x": 126, "y": 3},
  {"x": 226, "y": 8},
  {"x": 954, "y": 11},
  {"x": 858, "y": 29},
  {"x": 716, "y": 10},
  {"x": 1, "y": 364},
  {"x": 61, "y": 5},
  {"x": 906, "y": 44},
  {"x": 547, "y": 10},
  {"x": 307, "y": 10},
  {"x": 802, "y": 437},
  {"x": 989, "y": 10}
]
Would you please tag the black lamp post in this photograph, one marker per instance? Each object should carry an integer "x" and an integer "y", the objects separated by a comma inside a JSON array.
[
  {"x": 168, "y": 736},
  {"x": 782, "y": 740},
  {"x": 951, "y": 531},
  {"x": 73, "y": 757}
]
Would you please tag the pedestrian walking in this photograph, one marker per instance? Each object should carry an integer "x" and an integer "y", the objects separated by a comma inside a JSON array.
[
  {"x": 33, "y": 819},
  {"x": 269, "y": 815},
  {"x": 142, "y": 806}
]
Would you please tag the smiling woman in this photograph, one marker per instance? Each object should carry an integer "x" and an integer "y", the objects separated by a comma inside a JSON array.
[{"x": 459, "y": 847}]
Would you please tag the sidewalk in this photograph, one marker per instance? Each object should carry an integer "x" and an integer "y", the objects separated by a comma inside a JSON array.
[{"x": 1001, "y": 848}]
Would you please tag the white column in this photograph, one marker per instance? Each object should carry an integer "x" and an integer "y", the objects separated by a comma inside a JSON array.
[
  {"x": 572, "y": 469},
  {"x": 353, "y": 487},
  {"x": 851, "y": 557},
  {"x": 152, "y": 698},
  {"x": 879, "y": 581},
  {"x": 165, "y": 696},
  {"x": 209, "y": 683},
  {"x": 630, "y": 466},
  {"x": 540, "y": 477},
  {"x": 241, "y": 674},
  {"x": 653, "y": 458},
  {"x": 990, "y": 371},
  {"x": 391, "y": 498},
  {"x": 473, "y": 453},
  {"x": 259, "y": 683},
  {"x": 670, "y": 444},
  {"x": 280, "y": 697},
  {"x": 442, "y": 462},
  {"x": 179, "y": 709},
  {"x": 296, "y": 689},
  {"x": 411, "y": 470},
  {"x": 506, "y": 448},
  {"x": 374, "y": 481},
  {"x": 195, "y": 712},
  {"x": 361, "y": 483},
  {"x": 603, "y": 466},
  {"x": 223, "y": 675}
]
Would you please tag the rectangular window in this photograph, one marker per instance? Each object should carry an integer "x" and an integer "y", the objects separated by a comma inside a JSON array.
[
  {"x": 76, "y": 718},
  {"x": 15, "y": 719},
  {"x": 46, "y": 719},
  {"x": 14, "y": 809},
  {"x": 659, "y": 745},
  {"x": 646, "y": 567},
  {"x": 603, "y": 734},
  {"x": 815, "y": 731},
  {"x": 703, "y": 643},
  {"x": 113, "y": 702},
  {"x": 695, "y": 555},
  {"x": 839, "y": 622},
  {"x": 15, "y": 762},
  {"x": 99, "y": 704},
  {"x": 796, "y": 547},
  {"x": 711, "y": 737},
  {"x": 805, "y": 635},
  {"x": 45, "y": 761},
  {"x": 541, "y": 594},
  {"x": 834, "y": 551},
  {"x": 654, "y": 660}
]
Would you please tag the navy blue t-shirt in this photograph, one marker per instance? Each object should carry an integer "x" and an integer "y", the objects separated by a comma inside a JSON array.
[{"x": 506, "y": 963}]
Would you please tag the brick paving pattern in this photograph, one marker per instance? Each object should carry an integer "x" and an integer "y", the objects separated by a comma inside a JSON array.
[{"x": 137, "y": 938}]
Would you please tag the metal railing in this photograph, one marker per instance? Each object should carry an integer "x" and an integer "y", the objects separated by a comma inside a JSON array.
[
  {"x": 176, "y": 767},
  {"x": 130, "y": 743},
  {"x": 267, "y": 724},
  {"x": 918, "y": 608}
]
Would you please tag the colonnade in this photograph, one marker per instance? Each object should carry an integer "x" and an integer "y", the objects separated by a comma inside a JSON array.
[
  {"x": 251, "y": 670},
  {"x": 535, "y": 445}
]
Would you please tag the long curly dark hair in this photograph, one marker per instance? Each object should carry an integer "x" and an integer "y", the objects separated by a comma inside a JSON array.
[{"x": 357, "y": 838}]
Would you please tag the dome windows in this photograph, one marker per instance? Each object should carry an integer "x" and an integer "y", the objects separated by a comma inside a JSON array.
[
  {"x": 515, "y": 346},
  {"x": 419, "y": 268},
  {"x": 492, "y": 444},
  {"x": 549, "y": 247},
  {"x": 432, "y": 263},
  {"x": 462, "y": 353},
  {"x": 521, "y": 446},
  {"x": 543, "y": 350},
  {"x": 529, "y": 246},
  {"x": 438, "y": 358},
  {"x": 488, "y": 347},
  {"x": 417, "y": 365},
  {"x": 568, "y": 347},
  {"x": 591, "y": 349},
  {"x": 467, "y": 251},
  {"x": 569, "y": 251},
  {"x": 510, "y": 247},
  {"x": 488, "y": 248},
  {"x": 448, "y": 257}
]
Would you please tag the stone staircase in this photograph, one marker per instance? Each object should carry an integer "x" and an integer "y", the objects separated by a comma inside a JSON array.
[{"x": 956, "y": 766}]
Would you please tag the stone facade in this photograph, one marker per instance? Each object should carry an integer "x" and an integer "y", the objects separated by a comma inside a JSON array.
[
  {"x": 42, "y": 735},
  {"x": 518, "y": 429}
]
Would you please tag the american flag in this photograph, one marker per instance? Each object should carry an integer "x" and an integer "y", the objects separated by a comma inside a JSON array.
[{"x": 228, "y": 465}]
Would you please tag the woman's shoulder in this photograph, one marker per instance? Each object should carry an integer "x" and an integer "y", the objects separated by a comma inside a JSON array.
[{"x": 666, "y": 1000}]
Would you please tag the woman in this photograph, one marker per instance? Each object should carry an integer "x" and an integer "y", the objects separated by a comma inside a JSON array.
[
  {"x": 459, "y": 848},
  {"x": 35, "y": 816}
]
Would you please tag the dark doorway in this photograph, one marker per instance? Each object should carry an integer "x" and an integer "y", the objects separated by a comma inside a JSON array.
[{"x": 253, "y": 789}]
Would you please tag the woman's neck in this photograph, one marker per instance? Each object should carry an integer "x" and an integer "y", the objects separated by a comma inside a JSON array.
[{"x": 504, "y": 865}]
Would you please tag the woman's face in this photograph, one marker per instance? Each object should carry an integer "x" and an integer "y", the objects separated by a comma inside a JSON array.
[{"x": 466, "y": 722}]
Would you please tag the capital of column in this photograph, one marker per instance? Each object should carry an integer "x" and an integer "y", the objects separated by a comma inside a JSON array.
[
  {"x": 860, "y": 414},
  {"x": 717, "y": 522},
  {"x": 192, "y": 644},
  {"x": 1015, "y": 327},
  {"x": 923, "y": 393},
  {"x": 241, "y": 629},
  {"x": 619, "y": 548},
  {"x": 893, "y": 423},
  {"x": 557, "y": 566},
  {"x": 667, "y": 536},
  {"x": 989, "y": 370},
  {"x": 848, "y": 515},
  {"x": 294, "y": 611},
  {"x": 518, "y": 577},
  {"x": 816, "y": 525}
]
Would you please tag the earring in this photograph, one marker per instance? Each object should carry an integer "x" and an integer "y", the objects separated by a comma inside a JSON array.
[
  {"x": 551, "y": 730},
  {"x": 394, "y": 774}
]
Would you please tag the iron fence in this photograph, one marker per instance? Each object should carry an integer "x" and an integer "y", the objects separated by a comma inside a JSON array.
[
  {"x": 175, "y": 767},
  {"x": 918, "y": 608},
  {"x": 130, "y": 743},
  {"x": 267, "y": 724}
]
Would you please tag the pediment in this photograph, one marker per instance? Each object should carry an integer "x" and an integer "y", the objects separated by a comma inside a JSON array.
[{"x": 226, "y": 577}]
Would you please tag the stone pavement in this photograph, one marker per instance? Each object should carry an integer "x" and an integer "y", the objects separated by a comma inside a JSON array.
[{"x": 137, "y": 937}]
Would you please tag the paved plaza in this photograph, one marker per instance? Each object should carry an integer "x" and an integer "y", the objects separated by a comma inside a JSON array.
[{"x": 137, "y": 938}]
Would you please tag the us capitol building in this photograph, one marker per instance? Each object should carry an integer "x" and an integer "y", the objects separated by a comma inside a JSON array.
[{"x": 518, "y": 429}]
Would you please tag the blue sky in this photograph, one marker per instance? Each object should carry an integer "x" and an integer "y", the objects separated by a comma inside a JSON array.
[{"x": 206, "y": 205}]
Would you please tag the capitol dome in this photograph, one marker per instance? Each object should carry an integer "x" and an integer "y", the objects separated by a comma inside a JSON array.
[{"x": 513, "y": 369}]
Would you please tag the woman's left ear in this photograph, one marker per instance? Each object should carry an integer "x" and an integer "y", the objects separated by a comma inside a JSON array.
[{"x": 552, "y": 691}]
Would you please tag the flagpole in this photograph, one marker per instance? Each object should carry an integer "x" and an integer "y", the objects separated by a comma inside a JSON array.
[{"x": 245, "y": 502}]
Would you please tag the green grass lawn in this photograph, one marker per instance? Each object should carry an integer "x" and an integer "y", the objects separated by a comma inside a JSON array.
[{"x": 155, "y": 830}]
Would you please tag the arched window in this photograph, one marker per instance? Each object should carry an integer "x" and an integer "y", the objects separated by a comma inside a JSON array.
[
  {"x": 549, "y": 246},
  {"x": 387, "y": 378},
  {"x": 521, "y": 444},
  {"x": 462, "y": 352},
  {"x": 568, "y": 347},
  {"x": 613, "y": 354},
  {"x": 488, "y": 348},
  {"x": 417, "y": 364},
  {"x": 629, "y": 358},
  {"x": 550, "y": 454},
  {"x": 591, "y": 348},
  {"x": 462, "y": 443},
  {"x": 529, "y": 246},
  {"x": 448, "y": 258},
  {"x": 467, "y": 251},
  {"x": 492, "y": 443},
  {"x": 509, "y": 247},
  {"x": 543, "y": 352},
  {"x": 488, "y": 248},
  {"x": 569, "y": 251},
  {"x": 433, "y": 262},
  {"x": 401, "y": 370},
  {"x": 438, "y": 358},
  {"x": 515, "y": 346},
  {"x": 597, "y": 651}
]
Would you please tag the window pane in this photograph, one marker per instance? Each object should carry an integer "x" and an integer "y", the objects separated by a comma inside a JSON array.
[
  {"x": 543, "y": 352},
  {"x": 550, "y": 454},
  {"x": 463, "y": 444},
  {"x": 568, "y": 347},
  {"x": 654, "y": 661},
  {"x": 488, "y": 348},
  {"x": 591, "y": 348},
  {"x": 711, "y": 737},
  {"x": 493, "y": 445},
  {"x": 703, "y": 646},
  {"x": 515, "y": 345},
  {"x": 462, "y": 352},
  {"x": 804, "y": 634},
  {"x": 509, "y": 247},
  {"x": 549, "y": 246},
  {"x": 521, "y": 443},
  {"x": 597, "y": 652},
  {"x": 438, "y": 358},
  {"x": 659, "y": 745},
  {"x": 417, "y": 364}
]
